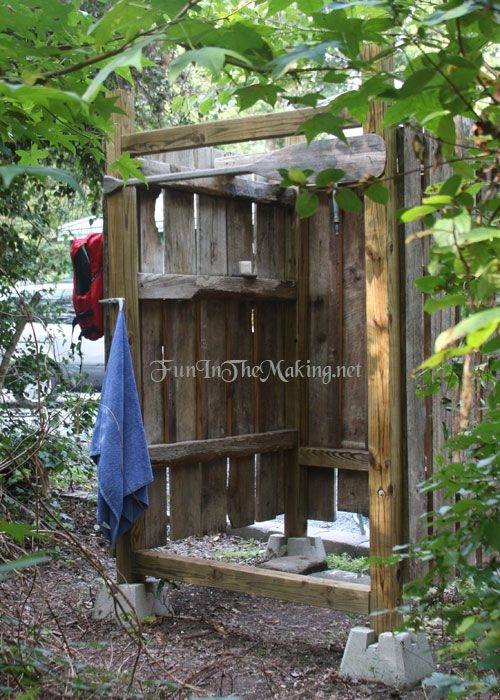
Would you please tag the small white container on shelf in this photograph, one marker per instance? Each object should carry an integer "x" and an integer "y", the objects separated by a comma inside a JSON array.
[{"x": 245, "y": 267}]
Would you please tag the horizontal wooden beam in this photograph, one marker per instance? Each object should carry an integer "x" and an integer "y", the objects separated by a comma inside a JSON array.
[
  {"x": 214, "y": 448},
  {"x": 156, "y": 286},
  {"x": 236, "y": 187},
  {"x": 334, "y": 458},
  {"x": 293, "y": 588},
  {"x": 215, "y": 133}
]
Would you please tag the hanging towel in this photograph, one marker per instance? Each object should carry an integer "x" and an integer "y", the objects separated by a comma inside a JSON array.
[{"x": 119, "y": 446}]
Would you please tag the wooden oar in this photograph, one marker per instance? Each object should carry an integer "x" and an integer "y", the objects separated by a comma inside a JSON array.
[{"x": 362, "y": 156}]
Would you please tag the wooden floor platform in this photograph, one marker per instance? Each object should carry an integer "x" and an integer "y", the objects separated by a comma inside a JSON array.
[{"x": 294, "y": 588}]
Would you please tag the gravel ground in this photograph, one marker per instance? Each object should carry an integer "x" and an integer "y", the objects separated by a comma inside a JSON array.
[{"x": 214, "y": 642}]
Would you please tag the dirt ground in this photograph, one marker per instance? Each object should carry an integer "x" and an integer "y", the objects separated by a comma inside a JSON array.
[{"x": 214, "y": 643}]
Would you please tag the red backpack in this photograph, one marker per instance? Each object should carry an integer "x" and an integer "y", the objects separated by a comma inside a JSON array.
[{"x": 86, "y": 257}]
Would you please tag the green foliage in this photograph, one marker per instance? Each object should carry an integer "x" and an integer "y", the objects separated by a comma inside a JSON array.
[
  {"x": 358, "y": 565},
  {"x": 435, "y": 62}
]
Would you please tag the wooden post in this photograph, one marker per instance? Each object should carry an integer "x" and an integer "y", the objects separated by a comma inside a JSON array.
[
  {"x": 121, "y": 242},
  {"x": 384, "y": 382}
]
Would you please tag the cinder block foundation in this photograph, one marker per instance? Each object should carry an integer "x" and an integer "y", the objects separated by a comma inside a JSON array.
[
  {"x": 281, "y": 546},
  {"x": 399, "y": 660},
  {"x": 145, "y": 599}
]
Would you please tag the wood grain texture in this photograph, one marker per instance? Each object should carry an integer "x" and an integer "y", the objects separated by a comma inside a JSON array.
[
  {"x": 153, "y": 402},
  {"x": 384, "y": 383},
  {"x": 151, "y": 243},
  {"x": 241, "y": 406},
  {"x": 181, "y": 338},
  {"x": 325, "y": 302},
  {"x": 271, "y": 233},
  {"x": 358, "y": 157},
  {"x": 334, "y": 458},
  {"x": 211, "y": 393},
  {"x": 230, "y": 188},
  {"x": 121, "y": 261},
  {"x": 417, "y": 347},
  {"x": 336, "y": 595},
  {"x": 353, "y": 488},
  {"x": 186, "y": 483},
  {"x": 177, "y": 287},
  {"x": 295, "y": 490},
  {"x": 218, "y": 132},
  {"x": 177, "y": 453}
]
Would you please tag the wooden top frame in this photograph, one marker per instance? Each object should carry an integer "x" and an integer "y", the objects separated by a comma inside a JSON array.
[{"x": 216, "y": 133}]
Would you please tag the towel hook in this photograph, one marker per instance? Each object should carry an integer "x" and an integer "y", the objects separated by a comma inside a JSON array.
[{"x": 114, "y": 300}]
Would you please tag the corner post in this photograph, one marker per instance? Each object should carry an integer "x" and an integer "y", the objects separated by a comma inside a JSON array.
[
  {"x": 383, "y": 324},
  {"x": 120, "y": 270}
]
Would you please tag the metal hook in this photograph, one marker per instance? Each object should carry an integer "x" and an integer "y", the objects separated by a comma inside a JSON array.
[{"x": 114, "y": 300}]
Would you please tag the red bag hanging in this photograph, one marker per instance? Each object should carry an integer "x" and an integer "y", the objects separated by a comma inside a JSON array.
[{"x": 87, "y": 257}]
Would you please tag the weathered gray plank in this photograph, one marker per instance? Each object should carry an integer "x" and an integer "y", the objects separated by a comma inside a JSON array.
[
  {"x": 241, "y": 395},
  {"x": 177, "y": 287}
]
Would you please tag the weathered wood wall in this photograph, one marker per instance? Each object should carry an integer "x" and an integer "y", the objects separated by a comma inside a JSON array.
[{"x": 205, "y": 236}]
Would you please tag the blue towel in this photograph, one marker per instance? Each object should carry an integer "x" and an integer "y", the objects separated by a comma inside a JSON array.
[{"x": 119, "y": 445}]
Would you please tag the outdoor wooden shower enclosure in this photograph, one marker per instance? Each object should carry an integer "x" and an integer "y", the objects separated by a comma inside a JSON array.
[{"x": 327, "y": 290}]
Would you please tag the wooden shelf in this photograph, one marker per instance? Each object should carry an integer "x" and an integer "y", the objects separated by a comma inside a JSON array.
[
  {"x": 185, "y": 287},
  {"x": 293, "y": 588}
]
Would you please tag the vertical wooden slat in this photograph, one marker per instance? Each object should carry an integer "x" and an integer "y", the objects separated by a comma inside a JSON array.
[
  {"x": 241, "y": 485},
  {"x": 384, "y": 382},
  {"x": 325, "y": 304},
  {"x": 151, "y": 241},
  {"x": 181, "y": 335},
  {"x": 353, "y": 486},
  {"x": 294, "y": 475},
  {"x": 442, "y": 416},
  {"x": 211, "y": 393},
  {"x": 270, "y": 262},
  {"x": 151, "y": 260},
  {"x": 417, "y": 347}
]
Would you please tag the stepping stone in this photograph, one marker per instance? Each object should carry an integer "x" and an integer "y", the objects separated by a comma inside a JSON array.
[
  {"x": 295, "y": 565},
  {"x": 345, "y": 576}
]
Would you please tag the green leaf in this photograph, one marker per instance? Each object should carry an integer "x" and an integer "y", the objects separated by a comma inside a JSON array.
[
  {"x": 128, "y": 167},
  {"x": 249, "y": 95},
  {"x": 444, "y": 15},
  {"x": 297, "y": 176},
  {"x": 130, "y": 57},
  {"x": 348, "y": 200},
  {"x": 429, "y": 283},
  {"x": 307, "y": 203},
  {"x": 18, "y": 531},
  {"x": 451, "y": 186},
  {"x": 323, "y": 123},
  {"x": 417, "y": 213},
  {"x": 210, "y": 57},
  {"x": 9, "y": 172},
  {"x": 329, "y": 176},
  {"x": 475, "y": 322},
  {"x": 23, "y": 562},
  {"x": 438, "y": 199},
  {"x": 378, "y": 193},
  {"x": 433, "y": 305}
]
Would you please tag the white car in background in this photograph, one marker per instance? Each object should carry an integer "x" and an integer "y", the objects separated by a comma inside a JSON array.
[{"x": 54, "y": 334}]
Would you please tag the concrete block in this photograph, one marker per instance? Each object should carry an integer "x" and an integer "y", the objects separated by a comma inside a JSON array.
[
  {"x": 142, "y": 598},
  {"x": 353, "y": 543},
  {"x": 280, "y": 546},
  {"x": 399, "y": 660},
  {"x": 276, "y": 546},
  {"x": 295, "y": 565}
]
